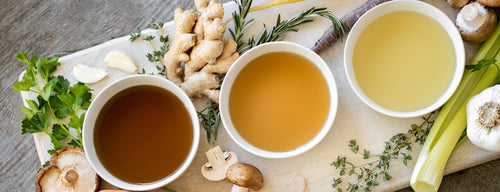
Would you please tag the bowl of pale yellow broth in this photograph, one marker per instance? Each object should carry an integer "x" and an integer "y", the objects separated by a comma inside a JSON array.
[
  {"x": 404, "y": 58},
  {"x": 278, "y": 100}
]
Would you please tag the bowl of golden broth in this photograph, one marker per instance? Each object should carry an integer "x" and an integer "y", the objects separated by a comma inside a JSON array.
[
  {"x": 141, "y": 132},
  {"x": 404, "y": 58},
  {"x": 278, "y": 100}
]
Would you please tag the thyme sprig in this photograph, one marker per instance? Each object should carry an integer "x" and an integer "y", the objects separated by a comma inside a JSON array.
[
  {"x": 367, "y": 174},
  {"x": 155, "y": 56}
]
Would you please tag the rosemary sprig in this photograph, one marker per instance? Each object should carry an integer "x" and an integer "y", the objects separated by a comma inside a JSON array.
[
  {"x": 210, "y": 117},
  {"x": 240, "y": 25},
  {"x": 278, "y": 32},
  {"x": 397, "y": 147}
]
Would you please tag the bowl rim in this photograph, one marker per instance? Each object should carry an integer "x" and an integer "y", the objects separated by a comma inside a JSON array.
[
  {"x": 414, "y": 6},
  {"x": 242, "y": 61},
  {"x": 97, "y": 104}
]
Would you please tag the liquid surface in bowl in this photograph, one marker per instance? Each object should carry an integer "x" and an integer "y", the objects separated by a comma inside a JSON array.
[
  {"x": 404, "y": 61},
  {"x": 143, "y": 134},
  {"x": 279, "y": 101}
]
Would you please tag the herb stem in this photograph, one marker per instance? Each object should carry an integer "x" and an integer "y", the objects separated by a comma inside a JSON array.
[{"x": 64, "y": 127}]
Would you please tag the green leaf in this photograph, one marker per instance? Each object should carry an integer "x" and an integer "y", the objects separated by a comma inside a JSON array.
[
  {"x": 31, "y": 125},
  {"x": 28, "y": 112},
  {"x": 68, "y": 99},
  {"x": 58, "y": 132},
  {"x": 482, "y": 63},
  {"x": 21, "y": 56},
  {"x": 26, "y": 82},
  {"x": 51, "y": 151},
  {"x": 60, "y": 83},
  {"x": 76, "y": 122},
  {"x": 82, "y": 95},
  {"x": 61, "y": 113},
  {"x": 47, "y": 91},
  {"x": 46, "y": 67}
]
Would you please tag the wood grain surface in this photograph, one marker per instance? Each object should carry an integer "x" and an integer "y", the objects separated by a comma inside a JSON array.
[{"x": 55, "y": 28}]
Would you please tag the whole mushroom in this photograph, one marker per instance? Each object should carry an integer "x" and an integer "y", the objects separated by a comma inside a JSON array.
[
  {"x": 218, "y": 163},
  {"x": 69, "y": 170},
  {"x": 244, "y": 176},
  {"x": 476, "y": 22}
]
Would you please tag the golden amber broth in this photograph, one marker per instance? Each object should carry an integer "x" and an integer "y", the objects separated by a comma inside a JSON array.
[
  {"x": 279, "y": 101},
  {"x": 404, "y": 61},
  {"x": 143, "y": 134}
]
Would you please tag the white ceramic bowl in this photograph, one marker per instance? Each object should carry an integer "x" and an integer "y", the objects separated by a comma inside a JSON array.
[
  {"x": 405, "y": 5},
  {"x": 104, "y": 96},
  {"x": 242, "y": 62}
]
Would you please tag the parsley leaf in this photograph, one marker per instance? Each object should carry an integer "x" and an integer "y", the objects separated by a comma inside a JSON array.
[{"x": 482, "y": 63}]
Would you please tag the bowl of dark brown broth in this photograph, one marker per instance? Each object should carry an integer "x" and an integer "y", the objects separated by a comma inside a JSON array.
[{"x": 141, "y": 132}]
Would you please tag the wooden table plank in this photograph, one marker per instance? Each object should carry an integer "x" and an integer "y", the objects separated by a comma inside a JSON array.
[{"x": 49, "y": 28}]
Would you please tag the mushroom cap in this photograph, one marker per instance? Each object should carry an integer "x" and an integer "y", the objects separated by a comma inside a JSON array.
[
  {"x": 245, "y": 175},
  {"x": 472, "y": 31},
  {"x": 69, "y": 170},
  {"x": 490, "y": 3},
  {"x": 457, "y": 3}
]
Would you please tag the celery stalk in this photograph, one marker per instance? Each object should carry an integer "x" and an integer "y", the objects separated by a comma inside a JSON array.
[{"x": 451, "y": 120}]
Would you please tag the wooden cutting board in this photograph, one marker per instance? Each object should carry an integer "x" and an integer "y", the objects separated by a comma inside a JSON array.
[{"x": 354, "y": 119}]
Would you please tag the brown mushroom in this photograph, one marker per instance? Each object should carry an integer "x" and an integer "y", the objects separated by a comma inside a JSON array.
[
  {"x": 490, "y": 3},
  {"x": 476, "y": 22},
  {"x": 244, "y": 177},
  {"x": 69, "y": 170},
  {"x": 457, "y": 3}
]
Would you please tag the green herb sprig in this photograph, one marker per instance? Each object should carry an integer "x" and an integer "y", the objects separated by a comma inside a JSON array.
[
  {"x": 481, "y": 64},
  {"x": 55, "y": 101},
  {"x": 278, "y": 32},
  {"x": 210, "y": 117},
  {"x": 155, "y": 56},
  {"x": 367, "y": 174}
]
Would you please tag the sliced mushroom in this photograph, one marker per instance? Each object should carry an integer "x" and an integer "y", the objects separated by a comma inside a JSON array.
[
  {"x": 218, "y": 162},
  {"x": 69, "y": 170},
  {"x": 244, "y": 176},
  {"x": 476, "y": 22},
  {"x": 457, "y": 3},
  {"x": 490, "y": 3}
]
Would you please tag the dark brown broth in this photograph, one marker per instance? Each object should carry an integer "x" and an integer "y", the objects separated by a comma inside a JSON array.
[{"x": 143, "y": 134}]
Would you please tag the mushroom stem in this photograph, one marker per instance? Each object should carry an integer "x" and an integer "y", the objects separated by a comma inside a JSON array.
[
  {"x": 69, "y": 176},
  {"x": 473, "y": 15},
  {"x": 237, "y": 188}
]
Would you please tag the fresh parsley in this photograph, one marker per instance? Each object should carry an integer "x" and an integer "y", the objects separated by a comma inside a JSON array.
[{"x": 55, "y": 101}]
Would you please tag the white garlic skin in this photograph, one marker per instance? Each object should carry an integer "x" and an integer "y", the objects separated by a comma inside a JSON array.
[{"x": 477, "y": 134}]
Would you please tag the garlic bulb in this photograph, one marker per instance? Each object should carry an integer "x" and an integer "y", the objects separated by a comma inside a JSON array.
[{"x": 483, "y": 119}]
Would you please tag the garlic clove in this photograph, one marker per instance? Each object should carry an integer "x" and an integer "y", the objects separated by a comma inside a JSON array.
[
  {"x": 483, "y": 119},
  {"x": 120, "y": 60},
  {"x": 86, "y": 74}
]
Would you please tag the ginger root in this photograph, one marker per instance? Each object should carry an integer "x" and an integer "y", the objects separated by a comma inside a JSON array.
[{"x": 200, "y": 45}]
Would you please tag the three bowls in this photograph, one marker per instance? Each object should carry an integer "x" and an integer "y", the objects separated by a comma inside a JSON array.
[{"x": 230, "y": 77}]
